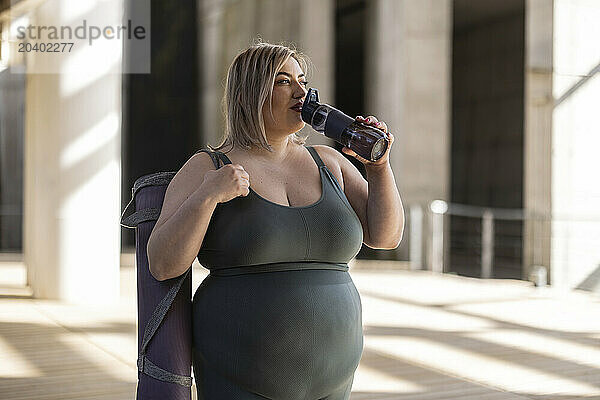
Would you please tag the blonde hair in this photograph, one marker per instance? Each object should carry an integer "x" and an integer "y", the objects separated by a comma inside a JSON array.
[{"x": 249, "y": 85}]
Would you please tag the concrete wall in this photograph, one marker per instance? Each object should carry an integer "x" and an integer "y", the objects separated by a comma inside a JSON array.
[{"x": 575, "y": 143}]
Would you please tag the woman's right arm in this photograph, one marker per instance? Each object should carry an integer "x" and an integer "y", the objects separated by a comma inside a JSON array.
[{"x": 190, "y": 200}]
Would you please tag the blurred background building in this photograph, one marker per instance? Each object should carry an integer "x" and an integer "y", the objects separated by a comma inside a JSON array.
[{"x": 493, "y": 105}]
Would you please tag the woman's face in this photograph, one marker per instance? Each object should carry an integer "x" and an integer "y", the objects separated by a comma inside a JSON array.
[{"x": 289, "y": 90}]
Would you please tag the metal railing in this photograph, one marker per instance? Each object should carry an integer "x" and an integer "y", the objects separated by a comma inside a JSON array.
[
  {"x": 486, "y": 242},
  {"x": 488, "y": 217},
  {"x": 495, "y": 238}
]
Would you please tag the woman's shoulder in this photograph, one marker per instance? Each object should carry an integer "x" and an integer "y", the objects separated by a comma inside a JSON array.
[
  {"x": 329, "y": 155},
  {"x": 200, "y": 160},
  {"x": 184, "y": 183},
  {"x": 191, "y": 174}
]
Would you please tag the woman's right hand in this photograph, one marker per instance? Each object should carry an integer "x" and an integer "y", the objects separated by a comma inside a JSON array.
[{"x": 226, "y": 183}]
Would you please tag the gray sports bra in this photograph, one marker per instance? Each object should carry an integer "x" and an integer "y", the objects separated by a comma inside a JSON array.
[{"x": 251, "y": 230}]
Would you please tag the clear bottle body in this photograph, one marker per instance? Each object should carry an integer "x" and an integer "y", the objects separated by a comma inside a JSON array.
[{"x": 367, "y": 142}]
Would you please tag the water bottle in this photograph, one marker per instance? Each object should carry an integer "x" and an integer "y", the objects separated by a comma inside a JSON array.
[{"x": 366, "y": 141}]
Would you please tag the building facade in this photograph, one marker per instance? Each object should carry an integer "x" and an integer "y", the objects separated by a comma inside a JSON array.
[{"x": 491, "y": 104}]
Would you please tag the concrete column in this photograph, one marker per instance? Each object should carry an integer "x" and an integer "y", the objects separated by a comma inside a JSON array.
[
  {"x": 537, "y": 134},
  {"x": 211, "y": 64},
  {"x": 408, "y": 81},
  {"x": 73, "y": 162},
  {"x": 227, "y": 27},
  {"x": 575, "y": 142}
]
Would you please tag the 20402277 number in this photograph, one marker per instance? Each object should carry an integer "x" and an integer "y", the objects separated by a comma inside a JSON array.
[{"x": 45, "y": 47}]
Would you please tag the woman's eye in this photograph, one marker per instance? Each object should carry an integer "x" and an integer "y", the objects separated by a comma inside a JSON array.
[{"x": 288, "y": 81}]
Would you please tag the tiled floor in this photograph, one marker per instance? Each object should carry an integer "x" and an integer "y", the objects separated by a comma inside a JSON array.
[{"x": 426, "y": 337}]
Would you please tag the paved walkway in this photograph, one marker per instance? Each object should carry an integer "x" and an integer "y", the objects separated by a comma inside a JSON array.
[{"x": 427, "y": 337}]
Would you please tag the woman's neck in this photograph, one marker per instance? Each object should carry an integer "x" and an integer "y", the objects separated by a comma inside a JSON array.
[{"x": 281, "y": 150}]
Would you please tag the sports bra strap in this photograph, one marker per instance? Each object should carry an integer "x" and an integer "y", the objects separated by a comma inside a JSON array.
[
  {"x": 212, "y": 155},
  {"x": 216, "y": 156},
  {"x": 223, "y": 157},
  {"x": 315, "y": 156}
]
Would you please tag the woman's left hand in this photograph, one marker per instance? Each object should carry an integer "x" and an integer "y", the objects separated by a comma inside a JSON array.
[{"x": 372, "y": 121}]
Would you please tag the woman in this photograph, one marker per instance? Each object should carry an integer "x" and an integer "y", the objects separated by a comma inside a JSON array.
[{"x": 278, "y": 317}]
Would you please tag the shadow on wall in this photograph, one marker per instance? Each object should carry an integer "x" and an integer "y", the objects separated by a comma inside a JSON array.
[{"x": 592, "y": 282}]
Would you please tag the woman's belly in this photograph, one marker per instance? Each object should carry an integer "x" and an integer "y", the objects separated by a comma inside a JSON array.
[{"x": 280, "y": 333}]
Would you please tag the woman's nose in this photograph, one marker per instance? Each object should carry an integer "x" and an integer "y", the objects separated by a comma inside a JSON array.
[{"x": 302, "y": 92}]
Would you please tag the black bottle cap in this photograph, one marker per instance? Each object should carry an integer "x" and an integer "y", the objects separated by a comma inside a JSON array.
[{"x": 310, "y": 104}]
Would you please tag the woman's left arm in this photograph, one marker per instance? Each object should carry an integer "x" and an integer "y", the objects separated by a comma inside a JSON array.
[
  {"x": 375, "y": 200},
  {"x": 385, "y": 213}
]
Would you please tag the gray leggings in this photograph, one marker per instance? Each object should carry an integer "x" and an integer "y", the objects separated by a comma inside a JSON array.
[
  {"x": 211, "y": 385},
  {"x": 292, "y": 335}
]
